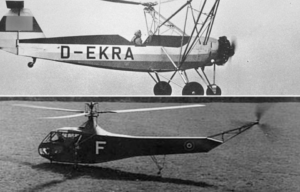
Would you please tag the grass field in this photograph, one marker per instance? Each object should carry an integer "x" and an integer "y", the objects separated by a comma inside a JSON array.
[{"x": 253, "y": 161}]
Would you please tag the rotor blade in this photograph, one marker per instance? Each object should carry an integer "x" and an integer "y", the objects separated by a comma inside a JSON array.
[
  {"x": 49, "y": 108},
  {"x": 66, "y": 116},
  {"x": 272, "y": 133},
  {"x": 125, "y": 2},
  {"x": 151, "y": 109},
  {"x": 240, "y": 122},
  {"x": 167, "y": 1},
  {"x": 149, "y": 3}
]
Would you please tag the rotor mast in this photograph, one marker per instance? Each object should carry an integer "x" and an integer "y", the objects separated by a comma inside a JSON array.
[{"x": 92, "y": 113}]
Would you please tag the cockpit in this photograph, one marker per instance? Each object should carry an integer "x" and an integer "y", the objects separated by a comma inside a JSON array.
[{"x": 59, "y": 145}]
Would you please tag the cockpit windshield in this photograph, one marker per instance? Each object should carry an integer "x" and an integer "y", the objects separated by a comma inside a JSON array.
[{"x": 61, "y": 136}]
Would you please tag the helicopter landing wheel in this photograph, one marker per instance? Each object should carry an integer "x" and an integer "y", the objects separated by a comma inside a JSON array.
[
  {"x": 214, "y": 90},
  {"x": 193, "y": 88},
  {"x": 162, "y": 88}
]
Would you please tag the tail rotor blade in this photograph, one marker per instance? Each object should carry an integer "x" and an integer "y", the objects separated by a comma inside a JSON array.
[
  {"x": 261, "y": 109},
  {"x": 272, "y": 133},
  {"x": 239, "y": 123}
]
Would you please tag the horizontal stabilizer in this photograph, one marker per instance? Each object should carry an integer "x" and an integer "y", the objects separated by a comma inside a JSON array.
[{"x": 15, "y": 4}]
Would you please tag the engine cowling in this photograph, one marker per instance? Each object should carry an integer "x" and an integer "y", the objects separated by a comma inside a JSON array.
[{"x": 225, "y": 51}]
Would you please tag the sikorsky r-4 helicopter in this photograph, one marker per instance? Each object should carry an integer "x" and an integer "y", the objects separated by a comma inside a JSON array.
[
  {"x": 89, "y": 143},
  {"x": 20, "y": 34}
]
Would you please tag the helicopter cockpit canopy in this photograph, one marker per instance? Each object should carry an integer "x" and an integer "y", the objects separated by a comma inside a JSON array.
[
  {"x": 61, "y": 136},
  {"x": 59, "y": 142}
]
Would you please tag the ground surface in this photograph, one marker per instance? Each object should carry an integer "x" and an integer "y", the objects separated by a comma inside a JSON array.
[{"x": 252, "y": 161}]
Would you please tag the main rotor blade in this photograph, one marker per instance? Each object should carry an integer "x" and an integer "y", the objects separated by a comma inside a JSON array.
[
  {"x": 151, "y": 109},
  {"x": 49, "y": 108},
  {"x": 124, "y": 2},
  {"x": 66, "y": 116}
]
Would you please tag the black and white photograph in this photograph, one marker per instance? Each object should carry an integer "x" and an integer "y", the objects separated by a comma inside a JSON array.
[
  {"x": 150, "y": 144},
  {"x": 149, "y": 95},
  {"x": 147, "y": 48}
]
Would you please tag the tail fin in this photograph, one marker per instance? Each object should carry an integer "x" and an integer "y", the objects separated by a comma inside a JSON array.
[{"x": 18, "y": 23}]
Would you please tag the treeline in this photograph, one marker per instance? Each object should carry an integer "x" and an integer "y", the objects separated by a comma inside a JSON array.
[{"x": 157, "y": 99}]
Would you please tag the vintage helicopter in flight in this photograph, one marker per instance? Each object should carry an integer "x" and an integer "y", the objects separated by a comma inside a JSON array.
[
  {"x": 20, "y": 34},
  {"x": 89, "y": 143}
]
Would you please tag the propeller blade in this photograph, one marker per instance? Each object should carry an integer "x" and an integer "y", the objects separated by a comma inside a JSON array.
[
  {"x": 66, "y": 116},
  {"x": 234, "y": 44},
  {"x": 49, "y": 108},
  {"x": 151, "y": 109},
  {"x": 233, "y": 47}
]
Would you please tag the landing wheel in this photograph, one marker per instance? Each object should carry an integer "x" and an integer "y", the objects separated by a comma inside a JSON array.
[
  {"x": 30, "y": 64},
  {"x": 215, "y": 90},
  {"x": 162, "y": 88},
  {"x": 193, "y": 88}
]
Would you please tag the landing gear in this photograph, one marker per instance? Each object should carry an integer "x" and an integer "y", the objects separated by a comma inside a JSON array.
[
  {"x": 213, "y": 90},
  {"x": 162, "y": 88},
  {"x": 193, "y": 88},
  {"x": 160, "y": 165},
  {"x": 30, "y": 64},
  {"x": 190, "y": 88}
]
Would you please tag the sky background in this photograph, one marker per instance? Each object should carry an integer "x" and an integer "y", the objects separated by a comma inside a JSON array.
[{"x": 266, "y": 61}]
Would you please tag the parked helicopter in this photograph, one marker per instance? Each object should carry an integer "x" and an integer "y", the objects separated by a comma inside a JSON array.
[
  {"x": 20, "y": 34},
  {"x": 89, "y": 143}
]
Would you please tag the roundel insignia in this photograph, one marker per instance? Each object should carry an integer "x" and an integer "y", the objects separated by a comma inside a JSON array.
[{"x": 189, "y": 145}]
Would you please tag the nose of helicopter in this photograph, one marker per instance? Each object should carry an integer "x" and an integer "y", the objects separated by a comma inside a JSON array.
[{"x": 50, "y": 150}]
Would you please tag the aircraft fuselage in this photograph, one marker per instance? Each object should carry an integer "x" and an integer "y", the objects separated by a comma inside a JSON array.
[{"x": 115, "y": 52}]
